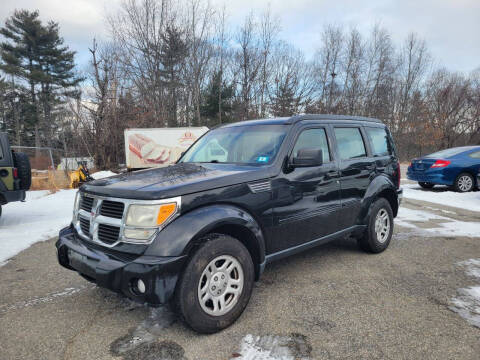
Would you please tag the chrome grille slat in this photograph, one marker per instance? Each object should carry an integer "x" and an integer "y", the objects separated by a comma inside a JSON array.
[
  {"x": 107, "y": 233},
  {"x": 112, "y": 209},
  {"x": 86, "y": 203},
  {"x": 101, "y": 219},
  {"x": 85, "y": 225}
]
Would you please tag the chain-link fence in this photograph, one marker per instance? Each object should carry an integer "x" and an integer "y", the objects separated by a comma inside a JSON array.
[{"x": 51, "y": 169}]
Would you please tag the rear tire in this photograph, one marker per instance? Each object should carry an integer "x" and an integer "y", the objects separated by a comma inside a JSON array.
[
  {"x": 22, "y": 163},
  {"x": 216, "y": 285},
  {"x": 379, "y": 231},
  {"x": 426, "y": 185},
  {"x": 464, "y": 183}
]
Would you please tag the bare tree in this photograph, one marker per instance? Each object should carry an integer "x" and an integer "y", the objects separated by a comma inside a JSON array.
[
  {"x": 248, "y": 62},
  {"x": 269, "y": 28}
]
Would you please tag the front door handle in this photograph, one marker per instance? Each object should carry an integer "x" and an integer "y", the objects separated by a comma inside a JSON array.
[{"x": 333, "y": 173}]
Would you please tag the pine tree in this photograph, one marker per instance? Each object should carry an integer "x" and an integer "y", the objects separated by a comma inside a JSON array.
[
  {"x": 210, "y": 106},
  {"x": 34, "y": 55},
  {"x": 19, "y": 56},
  {"x": 172, "y": 54}
]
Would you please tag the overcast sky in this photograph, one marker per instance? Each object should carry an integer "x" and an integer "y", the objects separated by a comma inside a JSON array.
[{"x": 450, "y": 27}]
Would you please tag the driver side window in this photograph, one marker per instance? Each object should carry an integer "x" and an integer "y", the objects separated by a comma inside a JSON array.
[{"x": 313, "y": 139}]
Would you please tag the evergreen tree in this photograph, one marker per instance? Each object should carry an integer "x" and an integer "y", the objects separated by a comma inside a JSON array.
[
  {"x": 34, "y": 55},
  {"x": 209, "y": 108},
  {"x": 19, "y": 56},
  {"x": 172, "y": 55}
]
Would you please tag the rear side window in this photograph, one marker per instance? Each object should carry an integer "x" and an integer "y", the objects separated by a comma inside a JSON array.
[
  {"x": 350, "y": 143},
  {"x": 1, "y": 151},
  {"x": 313, "y": 138},
  {"x": 475, "y": 155},
  {"x": 379, "y": 139}
]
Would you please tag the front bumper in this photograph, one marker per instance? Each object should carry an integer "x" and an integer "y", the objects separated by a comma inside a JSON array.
[{"x": 119, "y": 272}]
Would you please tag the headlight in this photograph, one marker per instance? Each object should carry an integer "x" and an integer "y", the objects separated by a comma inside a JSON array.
[
  {"x": 143, "y": 221},
  {"x": 150, "y": 215}
]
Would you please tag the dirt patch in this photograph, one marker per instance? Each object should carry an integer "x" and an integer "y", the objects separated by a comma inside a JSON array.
[
  {"x": 147, "y": 332},
  {"x": 165, "y": 350}
]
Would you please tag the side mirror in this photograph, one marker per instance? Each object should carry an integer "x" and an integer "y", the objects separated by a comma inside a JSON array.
[{"x": 308, "y": 157}]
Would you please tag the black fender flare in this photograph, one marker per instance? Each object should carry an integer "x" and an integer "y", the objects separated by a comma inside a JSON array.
[
  {"x": 381, "y": 186},
  {"x": 180, "y": 236}
]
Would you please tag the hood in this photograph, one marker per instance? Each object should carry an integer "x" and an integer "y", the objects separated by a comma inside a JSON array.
[{"x": 174, "y": 180}]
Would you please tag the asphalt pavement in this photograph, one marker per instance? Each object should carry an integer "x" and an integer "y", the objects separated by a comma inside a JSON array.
[{"x": 333, "y": 302}]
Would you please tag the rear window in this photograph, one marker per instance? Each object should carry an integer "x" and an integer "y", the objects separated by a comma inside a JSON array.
[
  {"x": 448, "y": 152},
  {"x": 475, "y": 155},
  {"x": 350, "y": 143},
  {"x": 379, "y": 139}
]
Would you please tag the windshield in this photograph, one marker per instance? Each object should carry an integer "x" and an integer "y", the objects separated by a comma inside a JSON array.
[
  {"x": 254, "y": 145},
  {"x": 450, "y": 152}
]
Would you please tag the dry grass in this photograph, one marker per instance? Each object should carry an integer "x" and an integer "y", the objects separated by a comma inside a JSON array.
[{"x": 51, "y": 180}]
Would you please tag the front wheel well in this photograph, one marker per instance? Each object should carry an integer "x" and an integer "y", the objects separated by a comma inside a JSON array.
[
  {"x": 246, "y": 237},
  {"x": 391, "y": 197}
]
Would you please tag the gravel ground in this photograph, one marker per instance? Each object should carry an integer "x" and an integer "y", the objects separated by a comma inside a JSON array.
[{"x": 333, "y": 302}]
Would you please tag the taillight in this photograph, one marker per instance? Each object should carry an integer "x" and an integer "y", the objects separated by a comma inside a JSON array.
[
  {"x": 15, "y": 173},
  {"x": 440, "y": 164}
]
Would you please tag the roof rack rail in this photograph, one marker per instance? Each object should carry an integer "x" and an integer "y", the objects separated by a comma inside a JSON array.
[{"x": 296, "y": 118}]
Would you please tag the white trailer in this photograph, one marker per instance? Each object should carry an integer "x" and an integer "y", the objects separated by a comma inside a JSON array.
[{"x": 159, "y": 147}]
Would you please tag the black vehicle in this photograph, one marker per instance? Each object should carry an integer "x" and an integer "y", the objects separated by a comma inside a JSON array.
[
  {"x": 200, "y": 232},
  {"x": 15, "y": 173}
]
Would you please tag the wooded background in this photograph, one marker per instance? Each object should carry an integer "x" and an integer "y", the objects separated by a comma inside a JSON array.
[{"x": 181, "y": 63}]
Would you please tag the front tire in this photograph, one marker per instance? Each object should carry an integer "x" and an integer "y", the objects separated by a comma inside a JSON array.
[
  {"x": 464, "y": 183},
  {"x": 216, "y": 285},
  {"x": 426, "y": 185},
  {"x": 379, "y": 231}
]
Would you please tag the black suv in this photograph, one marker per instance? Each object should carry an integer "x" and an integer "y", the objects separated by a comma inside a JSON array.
[{"x": 200, "y": 232}]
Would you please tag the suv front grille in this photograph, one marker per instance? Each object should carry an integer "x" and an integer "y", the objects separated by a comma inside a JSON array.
[
  {"x": 112, "y": 209},
  {"x": 85, "y": 226},
  {"x": 86, "y": 203},
  {"x": 108, "y": 233}
]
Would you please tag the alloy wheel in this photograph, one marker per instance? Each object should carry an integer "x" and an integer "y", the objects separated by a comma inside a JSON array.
[
  {"x": 220, "y": 285},
  {"x": 465, "y": 183},
  {"x": 382, "y": 225}
]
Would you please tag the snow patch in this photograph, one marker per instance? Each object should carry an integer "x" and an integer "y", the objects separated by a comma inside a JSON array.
[
  {"x": 102, "y": 174},
  {"x": 467, "y": 302},
  {"x": 271, "y": 347},
  {"x": 39, "y": 218},
  {"x": 440, "y": 225},
  {"x": 443, "y": 196}
]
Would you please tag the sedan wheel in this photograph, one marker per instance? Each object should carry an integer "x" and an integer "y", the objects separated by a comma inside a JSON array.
[{"x": 464, "y": 183}]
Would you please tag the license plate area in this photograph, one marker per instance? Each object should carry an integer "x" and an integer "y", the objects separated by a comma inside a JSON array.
[
  {"x": 419, "y": 167},
  {"x": 82, "y": 263}
]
